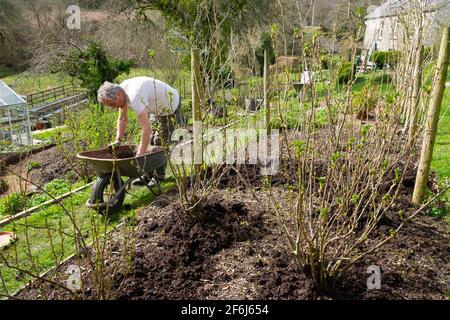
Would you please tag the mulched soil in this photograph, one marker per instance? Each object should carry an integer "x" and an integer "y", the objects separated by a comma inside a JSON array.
[
  {"x": 182, "y": 260},
  {"x": 55, "y": 163},
  {"x": 238, "y": 252}
]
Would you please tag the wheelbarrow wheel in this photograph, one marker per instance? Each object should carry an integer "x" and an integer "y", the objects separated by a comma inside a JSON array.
[{"x": 103, "y": 193}]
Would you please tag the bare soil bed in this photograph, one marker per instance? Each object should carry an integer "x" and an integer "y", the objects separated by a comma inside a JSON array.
[{"x": 41, "y": 167}]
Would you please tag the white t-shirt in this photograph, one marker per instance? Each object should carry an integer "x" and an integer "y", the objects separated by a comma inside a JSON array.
[{"x": 152, "y": 95}]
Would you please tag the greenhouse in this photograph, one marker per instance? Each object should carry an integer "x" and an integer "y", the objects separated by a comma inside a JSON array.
[{"x": 14, "y": 117}]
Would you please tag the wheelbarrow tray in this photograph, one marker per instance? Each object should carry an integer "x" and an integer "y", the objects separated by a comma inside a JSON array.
[{"x": 124, "y": 161}]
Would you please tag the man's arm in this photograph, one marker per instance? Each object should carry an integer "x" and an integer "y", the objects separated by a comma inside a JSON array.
[
  {"x": 146, "y": 132},
  {"x": 122, "y": 123}
]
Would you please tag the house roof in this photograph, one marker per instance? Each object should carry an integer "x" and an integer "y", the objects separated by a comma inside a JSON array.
[
  {"x": 8, "y": 97},
  {"x": 395, "y": 7}
]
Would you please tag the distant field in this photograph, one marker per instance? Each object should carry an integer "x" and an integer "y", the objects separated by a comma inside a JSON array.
[{"x": 25, "y": 83}]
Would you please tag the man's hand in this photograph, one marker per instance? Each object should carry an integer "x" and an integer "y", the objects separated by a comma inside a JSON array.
[{"x": 113, "y": 146}]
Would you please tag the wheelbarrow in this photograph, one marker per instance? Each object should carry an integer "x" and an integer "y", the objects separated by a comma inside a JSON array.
[{"x": 108, "y": 191}]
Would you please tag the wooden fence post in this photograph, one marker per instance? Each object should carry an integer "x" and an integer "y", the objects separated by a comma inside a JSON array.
[{"x": 432, "y": 120}]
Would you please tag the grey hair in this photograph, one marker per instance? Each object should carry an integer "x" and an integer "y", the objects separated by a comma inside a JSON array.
[{"x": 108, "y": 91}]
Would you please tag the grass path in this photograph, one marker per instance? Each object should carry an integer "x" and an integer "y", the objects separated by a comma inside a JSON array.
[
  {"x": 47, "y": 237},
  {"x": 441, "y": 159}
]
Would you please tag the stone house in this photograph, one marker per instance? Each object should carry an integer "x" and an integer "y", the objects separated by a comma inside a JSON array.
[{"x": 385, "y": 24}]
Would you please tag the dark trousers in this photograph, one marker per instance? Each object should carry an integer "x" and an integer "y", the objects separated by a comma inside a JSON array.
[{"x": 166, "y": 126}]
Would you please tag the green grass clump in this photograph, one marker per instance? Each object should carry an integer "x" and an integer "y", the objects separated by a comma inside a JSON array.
[
  {"x": 345, "y": 72},
  {"x": 323, "y": 116},
  {"x": 54, "y": 189},
  {"x": 13, "y": 203},
  {"x": 19, "y": 201},
  {"x": 54, "y": 134},
  {"x": 34, "y": 165}
]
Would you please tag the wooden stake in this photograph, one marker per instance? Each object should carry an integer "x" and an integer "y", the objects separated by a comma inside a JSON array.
[
  {"x": 432, "y": 120},
  {"x": 266, "y": 90},
  {"x": 196, "y": 85},
  {"x": 196, "y": 105},
  {"x": 414, "y": 104}
]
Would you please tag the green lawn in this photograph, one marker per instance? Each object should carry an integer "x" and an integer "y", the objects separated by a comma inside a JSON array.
[
  {"x": 441, "y": 156},
  {"x": 46, "y": 237},
  {"x": 51, "y": 134},
  {"x": 441, "y": 159}
]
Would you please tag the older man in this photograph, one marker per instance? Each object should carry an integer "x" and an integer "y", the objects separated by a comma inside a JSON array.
[{"x": 145, "y": 96}]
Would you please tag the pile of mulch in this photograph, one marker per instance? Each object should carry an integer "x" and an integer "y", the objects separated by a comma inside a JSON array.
[{"x": 181, "y": 259}]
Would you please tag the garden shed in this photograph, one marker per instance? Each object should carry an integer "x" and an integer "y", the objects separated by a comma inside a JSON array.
[{"x": 14, "y": 117}]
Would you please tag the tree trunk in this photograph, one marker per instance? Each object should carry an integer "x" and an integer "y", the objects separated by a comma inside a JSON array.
[{"x": 432, "y": 120}]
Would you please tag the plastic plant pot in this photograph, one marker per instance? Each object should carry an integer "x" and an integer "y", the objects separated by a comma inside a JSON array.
[
  {"x": 253, "y": 104},
  {"x": 7, "y": 238}
]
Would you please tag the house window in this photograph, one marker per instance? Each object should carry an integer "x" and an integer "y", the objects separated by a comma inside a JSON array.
[{"x": 380, "y": 31}]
